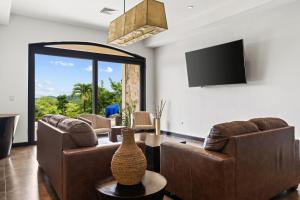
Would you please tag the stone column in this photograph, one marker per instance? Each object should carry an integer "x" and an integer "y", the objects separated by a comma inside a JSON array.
[{"x": 131, "y": 85}]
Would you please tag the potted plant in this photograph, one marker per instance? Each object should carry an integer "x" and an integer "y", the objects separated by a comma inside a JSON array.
[{"x": 127, "y": 114}]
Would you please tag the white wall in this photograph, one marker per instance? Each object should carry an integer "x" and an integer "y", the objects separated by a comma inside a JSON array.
[
  {"x": 14, "y": 40},
  {"x": 272, "y": 51}
]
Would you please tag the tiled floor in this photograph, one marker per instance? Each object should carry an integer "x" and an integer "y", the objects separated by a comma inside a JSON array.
[{"x": 20, "y": 178}]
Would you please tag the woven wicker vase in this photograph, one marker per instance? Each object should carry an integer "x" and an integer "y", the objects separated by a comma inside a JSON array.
[{"x": 128, "y": 164}]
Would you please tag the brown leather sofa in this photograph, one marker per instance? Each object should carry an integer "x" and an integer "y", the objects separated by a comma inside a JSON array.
[
  {"x": 69, "y": 154},
  {"x": 253, "y": 160}
]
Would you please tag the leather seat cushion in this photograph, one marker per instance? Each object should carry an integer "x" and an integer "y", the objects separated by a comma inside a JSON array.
[
  {"x": 144, "y": 127},
  {"x": 269, "y": 123},
  {"x": 80, "y": 132},
  {"x": 55, "y": 119},
  {"x": 220, "y": 134},
  {"x": 102, "y": 130}
]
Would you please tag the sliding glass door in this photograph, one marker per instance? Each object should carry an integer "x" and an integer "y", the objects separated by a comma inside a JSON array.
[{"x": 62, "y": 86}]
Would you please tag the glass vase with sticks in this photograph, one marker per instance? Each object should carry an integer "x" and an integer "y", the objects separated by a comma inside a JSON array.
[{"x": 157, "y": 115}]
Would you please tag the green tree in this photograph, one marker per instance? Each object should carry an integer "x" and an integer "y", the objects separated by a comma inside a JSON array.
[
  {"x": 104, "y": 97},
  {"x": 62, "y": 101},
  {"x": 84, "y": 92},
  {"x": 117, "y": 91},
  {"x": 80, "y": 101},
  {"x": 107, "y": 97},
  {"x": 72, "y": 110},
  {"x": 45, "y": 105}
]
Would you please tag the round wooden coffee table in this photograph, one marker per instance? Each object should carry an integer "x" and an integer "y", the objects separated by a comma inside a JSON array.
[{"x": 152, "y": 187}]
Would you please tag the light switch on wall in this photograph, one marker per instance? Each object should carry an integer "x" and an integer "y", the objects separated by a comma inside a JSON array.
[{"x": 11, "y": 98}]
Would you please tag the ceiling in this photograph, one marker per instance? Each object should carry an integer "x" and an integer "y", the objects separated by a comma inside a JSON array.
[{"x": 87, "y": 12}]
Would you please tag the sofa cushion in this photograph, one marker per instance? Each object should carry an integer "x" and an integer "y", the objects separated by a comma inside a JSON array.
[
  {"x": 55, "y": 119},
  {"x": 102, "y": 131},
  {"x": 269, "y": 123},
  {"x": 81, "y": 133},
  {"x": 144, "y": 127},
  {"x": 46, "y": 118},
  {"x": 142, "y": 118},
  {"x": 86, "y": 120},
  {"x": 220, "y": 134}
]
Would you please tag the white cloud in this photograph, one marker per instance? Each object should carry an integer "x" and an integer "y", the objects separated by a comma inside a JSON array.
[
  {"x": 107, "y": 70},
  {"x": 89, "y": 68},
  {"x": 46, "y": 88},
  {"x": 62, "y": 63}
]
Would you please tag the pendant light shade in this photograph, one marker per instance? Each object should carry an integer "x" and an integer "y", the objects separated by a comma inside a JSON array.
[{"x": 140, "y": 22}]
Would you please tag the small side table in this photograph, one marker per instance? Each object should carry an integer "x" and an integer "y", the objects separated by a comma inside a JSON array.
[
  {"x": 152, "y": 150},
  {"x": 152, "y": 187},
  {"x": 115, "y": 131}
]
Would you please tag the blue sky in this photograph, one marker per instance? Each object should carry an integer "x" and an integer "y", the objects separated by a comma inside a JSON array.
[{"x": 56, "y": 75}]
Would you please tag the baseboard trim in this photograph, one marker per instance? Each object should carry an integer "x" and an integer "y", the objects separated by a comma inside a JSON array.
[{"x": 189, "y": 137}]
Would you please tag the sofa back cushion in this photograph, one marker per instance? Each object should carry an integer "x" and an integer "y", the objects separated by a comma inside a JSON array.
[
  {"x": 142, "y": 118},
  {"x": 80, "y": 132},
  {"x": 220, "y": 134},
  {"x": 86, "y": 120},
  {"x": 55, "y": 119},
  {"x": 46, "y": 118},
  {"x": 269, "y": 123}
]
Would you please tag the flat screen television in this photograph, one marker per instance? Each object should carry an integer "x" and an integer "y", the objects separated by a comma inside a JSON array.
[{"x": 218, "y": 65}]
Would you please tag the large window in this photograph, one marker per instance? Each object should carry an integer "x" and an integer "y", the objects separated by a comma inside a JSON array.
[
  {"x": 71, "y": 78},
  {"x": 62, "y": 86}
]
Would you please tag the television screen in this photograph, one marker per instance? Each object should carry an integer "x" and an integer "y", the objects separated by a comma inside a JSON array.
[{"x": 218, "y": 65}]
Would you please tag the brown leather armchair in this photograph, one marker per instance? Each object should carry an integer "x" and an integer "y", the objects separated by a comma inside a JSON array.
[
  {"x": 142, "y": 121},
  {"x": 251, "y": 166},
  {"x": 101, "y": 125}
]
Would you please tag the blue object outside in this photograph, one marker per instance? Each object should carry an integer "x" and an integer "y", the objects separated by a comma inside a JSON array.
[{"x": 112, "y": 110}]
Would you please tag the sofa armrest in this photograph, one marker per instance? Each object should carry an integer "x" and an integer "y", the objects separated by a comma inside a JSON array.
[
  {"x": 50, "y": 144},
  {"x": 194, "y": 173},
  {"x": 83, "y": 167}
]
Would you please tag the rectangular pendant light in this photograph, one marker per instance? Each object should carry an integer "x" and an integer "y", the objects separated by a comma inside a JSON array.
[{"x": 140, "y": 22}]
